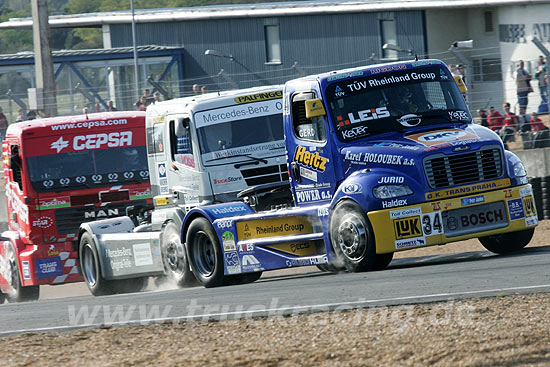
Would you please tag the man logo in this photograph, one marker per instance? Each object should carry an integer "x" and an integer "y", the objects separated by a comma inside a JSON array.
[{"x": 250, "y": 260}]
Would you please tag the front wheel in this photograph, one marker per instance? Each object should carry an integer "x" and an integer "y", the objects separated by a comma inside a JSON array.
[
  {"x": 353, "y": 240},
  {"x": 18, "y": 292},
  {"x": 507, "y": 242},
  {"x": 205, "y": 255},
  {"x": 174, "y": 257},
  {"x": 90, "y": 267}
]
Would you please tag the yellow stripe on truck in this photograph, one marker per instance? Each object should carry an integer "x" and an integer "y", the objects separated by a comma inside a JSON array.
[{"x": 273, "y": 227}]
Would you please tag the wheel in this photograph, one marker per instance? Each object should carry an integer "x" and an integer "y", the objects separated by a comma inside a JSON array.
[
  {"x": 89, "y": 265},
  {"x": 507, "y": 242},
  {"x": 352, "y": 239},
  {"x": 243, "y": 278},
  {"x": 205, "y": 255},
  {"x": 330, "y": 268},
  {"x": 131, "y": 285},
  {"x": 174, "y": 257},
  {"x": 18, "y": 292},
  {"x": 2, "y": 297}
]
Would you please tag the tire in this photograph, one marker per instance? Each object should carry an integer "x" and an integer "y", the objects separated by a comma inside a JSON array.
[
  {"x": 353, "y": 240},
  {"x": 507, "y": 242},
  {"x": 91, "y": 270},
  {"x": 18, "y": 292},
  {"x": 243, "y": 278},
  {"x": 131, "y": 285},
  {"x": 205, "y": 255},
  {"x": 330, "y": 268},
  {"x": 174, "y": 257}
]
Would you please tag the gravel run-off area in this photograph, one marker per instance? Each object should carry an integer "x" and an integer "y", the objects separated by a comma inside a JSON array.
[{"x": 508, "y": 330}]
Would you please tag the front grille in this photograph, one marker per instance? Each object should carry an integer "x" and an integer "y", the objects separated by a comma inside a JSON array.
[
  {"x": 264, "y": 175},
  {"x": 68, "y": 220},
  {"x": 462, "y": 169}
]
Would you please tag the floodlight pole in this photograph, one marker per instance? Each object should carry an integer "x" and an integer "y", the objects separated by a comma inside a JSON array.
[{"x": 136, "y": 66}]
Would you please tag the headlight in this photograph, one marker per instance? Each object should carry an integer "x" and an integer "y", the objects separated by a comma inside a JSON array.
[
  {"x": 519, "y": 170},
  {"x": 391, "y": 191}
]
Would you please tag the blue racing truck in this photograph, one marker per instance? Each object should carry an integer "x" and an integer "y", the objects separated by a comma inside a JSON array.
[{"x": 381, "y": 159}]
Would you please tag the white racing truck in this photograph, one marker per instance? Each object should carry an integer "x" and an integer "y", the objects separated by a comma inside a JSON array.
[{"x": 201, "y": 150}]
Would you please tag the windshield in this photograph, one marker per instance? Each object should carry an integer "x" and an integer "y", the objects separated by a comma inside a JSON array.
[
  {"x": 395, "y": 101},
  {"x": 88, "y": 168},
  {"x": 256, "y": 137}
]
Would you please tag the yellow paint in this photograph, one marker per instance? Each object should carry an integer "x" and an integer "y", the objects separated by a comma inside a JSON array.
[
  {"x": 408, "y": 227},
  {"x": 297, "y": 249},
  {"x": 273, "y": 227},
  {"x": 160, "y": 201},
  {"x": 385, "y": 227},
  {"x": 266, "y": 96},
  {"x": 467, "y": 190},
  {"x": 158, "y": 119},
  {"x": 460, "y": 83},
  {"x": 314, "y": 108}
]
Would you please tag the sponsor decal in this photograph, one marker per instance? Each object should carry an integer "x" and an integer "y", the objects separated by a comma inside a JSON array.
[
  {"x": 306, "y": 132},
  {"x": 355, "y": 132},
  {"x": 410, "y": 242},
  {"x": 238, "y": 112},
  {"x": 52, "y": 251},
  {"x": 515, "y": 209},
  {"x": 59, "y": 144},
  {"x": 390, "y": 159},
  {"x": 529, "y": 206},
  {"x": 306, "y": 196},
  {"x": 306, "y": 262},
  {"x": 141, "y": 194},
  {"x": 470, "y": 189},
  {"x": 402, "y": 213},
  {"x": 364, "y": 115},
  {"x": 442, "y": 75},
  {"x": 394, "y": 203},
  {"x": 432, "y": 224},
  {"x": 322, "y": 212},
  {"x": 26, "y": 270},
  {"x": 408, "y": 227},
  {"x": 53, "y": 203},
  {"x": 531, "y": 221},
  {"x": 43, "y": 222},
  {"x": 377, "y": 82},
  {"x": 226, "y": 180},
  {"x": 249, "y": 262},
  {"x": 459, "y": 115},
  {"x": 441, "y": 137},
  {"x": 338, "y": 92},
  {"x": 387, "y": 68},
  {"x": 352, "y": 188},
  {"x": 95, "y": 141},
  {"x": 311, "y": 160},
  {"x": 14, "y": 202},
  {"x": 525, "y": 191},
  {"x": 245, "y": 247},
  {"x": 396, "y": 145},
  {"x": 142, "y": 254},
  {"x": 299, "y": 249},
  {"x": 228, "y": 241},
  {"x": 232, "y": 262},
  {"x": 461, "y": 148},
  {"x": 273, "y": 227},
  {"x": 391, "y": 180},
  {"x": 265, "y": 96},
  {"x": 489, "y": 216},
  {"x": 344, "y": 76},
  {"x": 48, "y": 267},
  {"x": 308, "y": 174},
  {"x": 89, "y": 124},
  {"x": 226, "y": 223},
  {"x": 410, "y": 120},
  {"x": 162, "y": 170},
  {"x": 473, "y": 200},
  {"x": 229, "y": 209}
]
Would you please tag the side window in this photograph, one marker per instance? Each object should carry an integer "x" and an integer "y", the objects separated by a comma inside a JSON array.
[
  {"x": 154, "y": 139},
  {"x": 15, "y": 165},
  {"x": 181, "y": 147},
  {"x": 306, "y": 129}
]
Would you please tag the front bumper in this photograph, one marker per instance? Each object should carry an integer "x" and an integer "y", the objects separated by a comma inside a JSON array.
[{"x": 456, "y": 219}]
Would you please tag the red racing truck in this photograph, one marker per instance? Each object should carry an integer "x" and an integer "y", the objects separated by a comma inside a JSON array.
[{"x": 61, "y": 172}]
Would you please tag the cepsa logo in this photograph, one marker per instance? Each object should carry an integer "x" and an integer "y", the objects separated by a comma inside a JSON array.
[
  {"x": 365, "y": 115},
  {"x": 95, "y": 141}
]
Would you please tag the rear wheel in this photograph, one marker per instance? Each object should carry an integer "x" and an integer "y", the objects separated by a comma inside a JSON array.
[
  {"x": 507, "y": 242},
  {"x": 174, "y": 257},
  {"x": 205, "y": 255},
  {"x": 353, "y": 240},
  {"x": 18, "y": 292},
  {"x": 90, "y": 267}
]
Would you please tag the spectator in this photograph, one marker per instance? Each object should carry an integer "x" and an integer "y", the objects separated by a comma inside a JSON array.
[
  {"x": 156, "y": 97},
  {"x": 110, "y": 106},
  {"x": 204, "y": 90},
  {"x": 97, "y": 107},
  {"x": 523, "y": 80},
  {"x": 483, "y": 117},
  {"x": 85, "y": 111},
  {"x": 510, "y": 125},
  {"x": 143, "y": 103},
  {"x": 196, "y": 89},
  {"x": 20, "y": 116},
  {"x": 3, "y": 124},
  {"x": 536, "y": 123},
  {"x": 542, "y": 77},
  {"x": 146, "y": 99},
  {"x": 524, "y": 120},
  {"x": 31, "y": 115},
  {"x": 494, "y": 119}
]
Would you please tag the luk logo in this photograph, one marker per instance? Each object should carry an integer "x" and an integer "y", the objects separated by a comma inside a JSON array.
[
  {"x": 59, "y": 144},
  {"x": 407, "y": 227}
]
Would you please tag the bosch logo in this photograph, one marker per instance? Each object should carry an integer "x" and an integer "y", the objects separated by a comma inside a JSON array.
[{"x": 409, "y": 120}]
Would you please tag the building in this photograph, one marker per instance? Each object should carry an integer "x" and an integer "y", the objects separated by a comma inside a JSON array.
[{"x": 245, "y": 45}]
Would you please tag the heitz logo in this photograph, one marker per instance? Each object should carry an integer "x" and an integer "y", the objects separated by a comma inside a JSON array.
[
  {"x": 95, "y": 141},
  {"x": 365, "y": 115},
  {"x": 311, "y": 160},
  {"x": 409, "y": 120}
]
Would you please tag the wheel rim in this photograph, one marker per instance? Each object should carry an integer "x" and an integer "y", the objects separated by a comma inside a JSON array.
[
  {"x": 204, "y": 254},
  {"x": 90, "y": 270},
  {"x": 351, "y": 237},
  {"x": 174, "y": 255}
]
